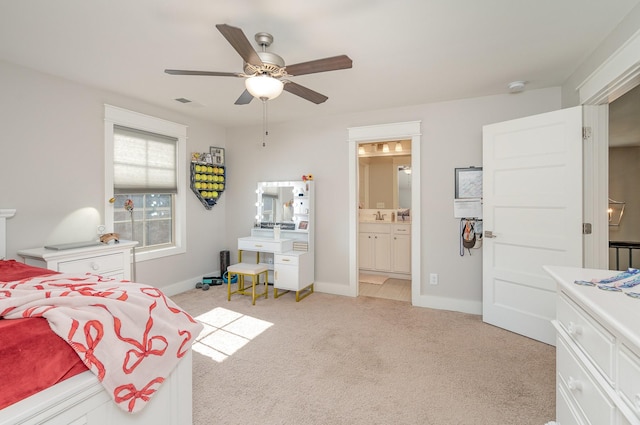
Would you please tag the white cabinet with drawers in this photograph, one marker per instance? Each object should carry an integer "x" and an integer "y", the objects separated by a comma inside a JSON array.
[
  {"x": 108, "y": 260},
  {"x": 597, "y": 351},
  {"x": 293, "y": 270}
]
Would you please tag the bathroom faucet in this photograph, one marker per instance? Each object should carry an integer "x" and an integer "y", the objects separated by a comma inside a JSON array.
[{"x": 379, "y": 216}]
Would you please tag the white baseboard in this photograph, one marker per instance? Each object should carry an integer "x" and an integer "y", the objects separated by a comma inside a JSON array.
[
  {"x": 444, "y": 303},
  {"x": 333, "y": 288},
  {"x": 185, "y": 285}
]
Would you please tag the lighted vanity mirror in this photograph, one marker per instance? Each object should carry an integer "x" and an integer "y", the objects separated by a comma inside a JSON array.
[
  {"x": 284, "y": 203},
  {"x": 384, "y": 178}
]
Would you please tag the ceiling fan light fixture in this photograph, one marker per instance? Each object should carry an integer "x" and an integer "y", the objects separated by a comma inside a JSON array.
[{"x": 264, "y": 87}]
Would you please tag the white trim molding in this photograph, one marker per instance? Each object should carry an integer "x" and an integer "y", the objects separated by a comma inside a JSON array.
[
  {"x": 613, "y": 78},
  {"x": 616, "y": 76},
  {"x": 4, "y": 215},
  {"x": 119, "y": 116},
  {"x": 393, "y": 131}
]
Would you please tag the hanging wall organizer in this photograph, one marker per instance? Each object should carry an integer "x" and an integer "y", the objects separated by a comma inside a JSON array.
[{"x": 208, "y": 176}]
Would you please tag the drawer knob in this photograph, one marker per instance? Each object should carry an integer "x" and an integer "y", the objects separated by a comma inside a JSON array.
[
  {"x": 574, "y": 330},
  {"x": 95, "y": 266},
  {"x": 574, "y": 384}
]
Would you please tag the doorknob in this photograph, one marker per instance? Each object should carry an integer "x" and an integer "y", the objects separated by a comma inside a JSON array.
[{"x": 489, "y": 234}]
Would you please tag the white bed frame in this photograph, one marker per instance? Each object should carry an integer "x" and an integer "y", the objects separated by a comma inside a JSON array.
[{"x": 83, "y": 400}]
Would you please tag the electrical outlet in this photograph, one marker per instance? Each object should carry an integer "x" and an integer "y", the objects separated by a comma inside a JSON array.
[{"x": 433, "y": 278}]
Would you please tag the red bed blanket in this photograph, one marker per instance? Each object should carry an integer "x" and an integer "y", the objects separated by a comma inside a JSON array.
[
  {"x": 33, "y": 359},
  {"x": 130, "y": 335}
]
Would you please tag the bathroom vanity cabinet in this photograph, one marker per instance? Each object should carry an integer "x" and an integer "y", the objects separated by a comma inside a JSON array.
[
  {"x": 385, "y": 247},
  {"x": 401, "y": 248},
  {"x": 375, "y": 247}
]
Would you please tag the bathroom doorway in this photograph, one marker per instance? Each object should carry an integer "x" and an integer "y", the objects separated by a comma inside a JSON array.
[
  {"x": 384, "y": 219},
  {"x": 409, "y": 130}
]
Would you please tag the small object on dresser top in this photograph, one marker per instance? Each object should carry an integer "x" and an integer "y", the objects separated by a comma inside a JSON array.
[{"x": 72, "y": 245}]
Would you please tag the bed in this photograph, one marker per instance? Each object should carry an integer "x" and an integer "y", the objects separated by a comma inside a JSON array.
[{"x": 72, "y": 356}]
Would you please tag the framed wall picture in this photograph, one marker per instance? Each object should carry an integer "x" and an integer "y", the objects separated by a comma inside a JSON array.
[
  {"x": 217, "y": 155},
  {"x": 303, "y": 225},
  {"x": 468, "y": 183}
]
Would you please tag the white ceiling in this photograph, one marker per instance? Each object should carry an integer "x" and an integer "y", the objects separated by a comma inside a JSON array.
[{"x": 404, "y": 52}]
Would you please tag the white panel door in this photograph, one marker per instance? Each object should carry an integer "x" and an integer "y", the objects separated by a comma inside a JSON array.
[{"x": 532, "y": 208}]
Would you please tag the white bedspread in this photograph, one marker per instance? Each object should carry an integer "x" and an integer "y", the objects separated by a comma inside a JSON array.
[{"x": 130, "y": 335}]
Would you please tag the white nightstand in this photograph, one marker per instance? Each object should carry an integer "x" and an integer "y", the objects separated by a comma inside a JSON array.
[{"x": 109, "y": 260}]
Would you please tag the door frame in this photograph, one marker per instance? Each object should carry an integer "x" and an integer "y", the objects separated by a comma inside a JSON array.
[
  {"x": 375, "y": 133},
  {"x": 613, "y": 78}
]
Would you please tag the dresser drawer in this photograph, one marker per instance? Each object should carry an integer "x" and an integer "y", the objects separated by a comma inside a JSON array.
[
  {"x": 566, "y": 412},
  {"x": 629, "y": 378},
  {"x": 375, "y": 228},
  {"x": 581, "y": 389},
  {"x": 265, "y": 244},
  {"x": 98, "y": 264},
  {"x": 291, "y": 260},
  {"x": 402, "y": 229},
  {"x": 597, "y": 343}
]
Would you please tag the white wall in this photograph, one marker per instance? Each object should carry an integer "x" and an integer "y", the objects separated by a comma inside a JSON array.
[
  {"x": 51, "y": 167},
  {"x": 52, "y": 171},
  {"x": 451, "y": 137},
  {"x": 629, "y": 26}
]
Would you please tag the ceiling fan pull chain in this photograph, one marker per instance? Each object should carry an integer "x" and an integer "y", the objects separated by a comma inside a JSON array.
[{"x": 265, "y": 131}]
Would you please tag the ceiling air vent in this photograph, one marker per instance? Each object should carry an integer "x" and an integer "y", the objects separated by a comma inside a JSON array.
[{"x": 183, "y": 100}]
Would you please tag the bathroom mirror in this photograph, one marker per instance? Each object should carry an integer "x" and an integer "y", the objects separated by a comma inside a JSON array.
[
  {"x": 283, "y": 203},
  {"x": 404, "y": 186},
  {"x": 385, "y": 181}
]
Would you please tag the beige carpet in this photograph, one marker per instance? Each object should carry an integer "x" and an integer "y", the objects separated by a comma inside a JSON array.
[
  {"x": 372, "y": 278},
  {"x": 340, "y": 360}
]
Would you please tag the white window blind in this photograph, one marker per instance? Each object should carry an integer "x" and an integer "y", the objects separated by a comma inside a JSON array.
[{"x": 144, "y": 162}]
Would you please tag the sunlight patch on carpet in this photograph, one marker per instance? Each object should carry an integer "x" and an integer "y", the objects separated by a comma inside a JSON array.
[{"x": 225, "y": 332}]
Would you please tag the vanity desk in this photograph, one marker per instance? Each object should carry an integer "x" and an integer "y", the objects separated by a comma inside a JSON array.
[
  {"x": 597, "y": 350},
  {"x": 283, "y": 237}
]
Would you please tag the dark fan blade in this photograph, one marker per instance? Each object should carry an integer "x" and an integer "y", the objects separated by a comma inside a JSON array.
[
  {"x": 304, "y": 92},
  {"x": 239, "y": 41},
  {"x": 244, "y": 98},
  {"x": 320, "y": 65},
  {"x": 206, "y": 73}
]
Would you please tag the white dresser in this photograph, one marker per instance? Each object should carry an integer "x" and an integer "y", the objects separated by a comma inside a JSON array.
[
  {"x": 108, "y": 260},
  {"x": 597, "y": 351}
]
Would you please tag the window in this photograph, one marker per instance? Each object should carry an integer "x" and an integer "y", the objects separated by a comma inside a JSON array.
[{"x": 144, "y": 164}]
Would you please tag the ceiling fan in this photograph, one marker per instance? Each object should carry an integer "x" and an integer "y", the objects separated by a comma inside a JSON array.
[{"x": 265, "y": 72}]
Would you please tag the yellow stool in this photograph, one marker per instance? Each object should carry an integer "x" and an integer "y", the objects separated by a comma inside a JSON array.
[{"x": 246, "y": 269}]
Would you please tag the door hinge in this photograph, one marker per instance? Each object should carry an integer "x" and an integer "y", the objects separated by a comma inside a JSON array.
[
  {"x": 586, "y": 133},
  {"x": 586, "y": 228}
]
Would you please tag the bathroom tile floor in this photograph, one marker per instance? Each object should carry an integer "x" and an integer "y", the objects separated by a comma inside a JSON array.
[{"x": 392, "y": 289}]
